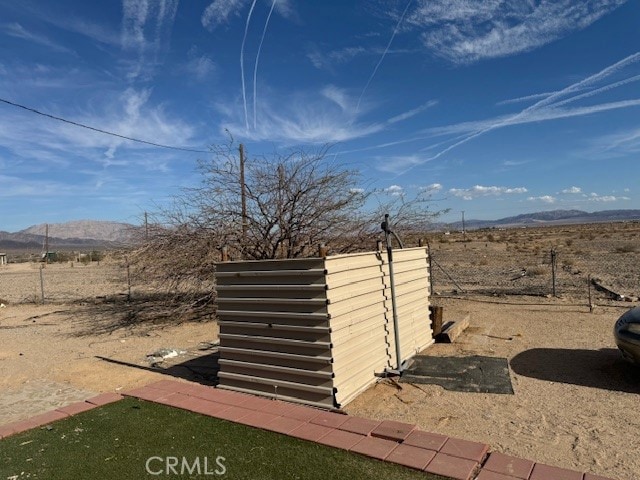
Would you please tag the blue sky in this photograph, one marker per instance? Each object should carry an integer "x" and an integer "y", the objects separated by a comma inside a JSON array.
[{"x": 497, "y": 107}]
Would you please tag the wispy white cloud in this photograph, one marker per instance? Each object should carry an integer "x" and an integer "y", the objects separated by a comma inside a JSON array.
[
  {"x": 595, "y": 197},
  {"x": 200, "y": 67},
  {"x": 146, "y": 29},
  {"x": 397, "y": 163},
  {"x": 255, "y": 68},
  {"x": 544, "y": 199},
  {"x": 465, "y": 31},
  {"x": 526, "y": 98},
  {"x": 571, "y": 190},
  {"x": 620, "y": 143},
  {"x": 220, "y": 12},
  {"x": 129, "y": 113},
  {"x": 328, "y": 60},
  {"x": 433, "y": 188},
  {"x": 16, "y": 30},
  {"x": 412, "y": 113},
  {"x": 478, "y": 191},
  {"x": 514, "y": 163},
  {"x": 394, "y": 190},
  {"x": 384, "y": 54}
]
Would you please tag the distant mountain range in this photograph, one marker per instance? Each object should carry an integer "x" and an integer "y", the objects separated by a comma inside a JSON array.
[
  {"x": 92, "y": 234},
  {"x": 79, "y": 235},
  {"x": 552, "y": 217}
]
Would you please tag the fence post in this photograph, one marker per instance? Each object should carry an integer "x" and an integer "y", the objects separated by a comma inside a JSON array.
[
  {"x": 553, "y": 270},
  {"x": 430, "y": 269},
  {"x": 41, "y": 284},
  {"x": 224, "y": 252},
  {"x": 128, "y": 279},
  {"x": 322, "y": 250}
]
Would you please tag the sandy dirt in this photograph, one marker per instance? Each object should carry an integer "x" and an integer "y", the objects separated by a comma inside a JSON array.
[
  {"x": 49, "y": 353},
  {"x": 575, "y": 403}
]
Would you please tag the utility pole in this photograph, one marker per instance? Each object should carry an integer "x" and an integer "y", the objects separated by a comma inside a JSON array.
[
  {"x": 464, "y": 232},
  {"x": 243, "y": 198}
]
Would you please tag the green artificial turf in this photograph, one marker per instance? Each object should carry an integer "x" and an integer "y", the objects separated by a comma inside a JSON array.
[{"x": 116, "y": 441}]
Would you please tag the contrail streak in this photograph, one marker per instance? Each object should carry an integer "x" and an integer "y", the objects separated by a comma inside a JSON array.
[
  {"x": 395, "y": 30},
  {"x": 548, "y": 101},
  {"x": 244, "y": 90},
  {"x": 591, "y": 93},
  {"x": 255, "y": 68}
]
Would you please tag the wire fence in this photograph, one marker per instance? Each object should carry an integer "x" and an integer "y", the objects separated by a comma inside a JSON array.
[
  {"x": 586, "y": 263},
  {"x": 38, "y": 282},
  {"x": 580, "y": 268}
]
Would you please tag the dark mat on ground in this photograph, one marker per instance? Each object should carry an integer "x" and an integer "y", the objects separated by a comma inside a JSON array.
[{"x": 461, "y": 374}]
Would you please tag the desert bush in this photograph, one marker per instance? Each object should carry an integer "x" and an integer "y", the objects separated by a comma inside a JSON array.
[
  {"x": 626, "y": 248},
  {"x": 536, "y": 271}
]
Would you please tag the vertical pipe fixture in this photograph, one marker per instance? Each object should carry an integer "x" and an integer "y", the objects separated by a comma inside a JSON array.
[{"x": 386, "y": 227}]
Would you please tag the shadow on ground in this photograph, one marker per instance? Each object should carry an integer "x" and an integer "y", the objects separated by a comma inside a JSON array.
[
  {"x": 602, "y": 368},
  {"x": 105, "y": 315},
  {"x": 201, "y": 369}
]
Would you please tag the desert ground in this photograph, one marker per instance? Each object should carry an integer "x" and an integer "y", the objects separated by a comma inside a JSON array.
[{"x": 575, "y": 402}]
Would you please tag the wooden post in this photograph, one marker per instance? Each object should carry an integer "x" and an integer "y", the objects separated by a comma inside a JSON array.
[
  {"x": 224, "y": 253},
  {"x": 41, "y": 284},
  {"x": 322, "y": 250},
  {"x": 435, "y": 314},
  {"x": 128, "y": 280},
  {"x": 553, "y": 270},
  {"x": 420, "y": 242},
  {"x": 46, "y": 245}
]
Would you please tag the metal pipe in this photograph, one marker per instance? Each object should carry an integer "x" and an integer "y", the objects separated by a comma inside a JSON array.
[{"x": 396, "y": 330}]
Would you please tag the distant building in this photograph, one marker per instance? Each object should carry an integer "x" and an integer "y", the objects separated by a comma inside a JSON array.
[{"x": 3, "y": 258}]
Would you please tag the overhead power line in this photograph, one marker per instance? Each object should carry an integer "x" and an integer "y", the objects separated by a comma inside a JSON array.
[{"x": 70, "y": 122}]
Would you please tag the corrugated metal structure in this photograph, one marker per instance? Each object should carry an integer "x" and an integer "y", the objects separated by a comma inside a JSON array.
[{"x": 318, "y": 330}]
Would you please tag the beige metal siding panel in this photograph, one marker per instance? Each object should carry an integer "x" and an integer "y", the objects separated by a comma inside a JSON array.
[{"x": 355, "y": 293}]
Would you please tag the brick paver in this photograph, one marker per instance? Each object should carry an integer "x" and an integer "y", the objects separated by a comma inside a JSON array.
[
  {"x": 412, "y": 457},
  {"x": 488, "y": 475},
  {"x": 430, "y": 441},
  {"x": 396, "y": 442},
  {"x": 507, "y": 465},
  {"x": 330, "y": 419},
  {"x": 454, "y": 467},
  {"x": 105, "y": 398},
  {"x": 465, "y": 449},
  {"x": 374, "y": 447},
  {"x": 340, "y": 439},
  {"x": 392, "y": 430},
  {"x": 547, "y": 472},
  {"x": 363, "y": 426},
  {"x": 311, "y": 432},
  {"x": 75, "y": 408}
]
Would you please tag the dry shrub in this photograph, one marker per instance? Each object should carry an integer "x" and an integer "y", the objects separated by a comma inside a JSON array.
[{"x": 536, "y": 271}]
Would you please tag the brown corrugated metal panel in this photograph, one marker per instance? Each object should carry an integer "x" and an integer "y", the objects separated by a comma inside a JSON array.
[
  {"x": 318, "y": 330},
  {"x": 274, "y": 329}
]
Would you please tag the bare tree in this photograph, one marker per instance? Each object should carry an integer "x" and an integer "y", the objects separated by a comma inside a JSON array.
[{"x": 293, "y": 202}]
